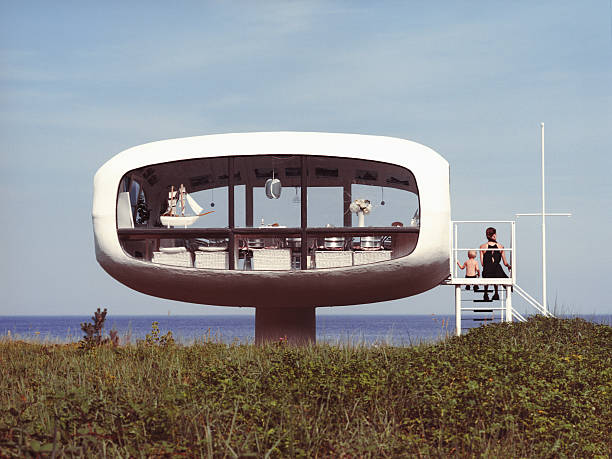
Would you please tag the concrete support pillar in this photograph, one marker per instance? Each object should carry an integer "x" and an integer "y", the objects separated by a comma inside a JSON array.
[
  {"x": 297, "y": 325},
  {"x": 508, "y": 303},
  {"x": 458, "y": 310}
]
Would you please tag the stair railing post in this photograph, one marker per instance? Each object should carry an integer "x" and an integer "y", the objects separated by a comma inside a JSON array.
[
  {"x": 454, "y": 265},
  {"x": 458, "y": 310},
  {"x": 508, "y": 303}
]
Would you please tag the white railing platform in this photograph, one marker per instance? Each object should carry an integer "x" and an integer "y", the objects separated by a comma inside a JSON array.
[{"x": 478, "y": 281}]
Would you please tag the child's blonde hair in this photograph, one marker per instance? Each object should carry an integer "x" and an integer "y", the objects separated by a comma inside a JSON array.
[{"x": 471, "y": 254}]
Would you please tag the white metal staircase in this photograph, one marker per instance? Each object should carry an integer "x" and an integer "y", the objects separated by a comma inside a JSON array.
[{"x": 500, "y": 311}]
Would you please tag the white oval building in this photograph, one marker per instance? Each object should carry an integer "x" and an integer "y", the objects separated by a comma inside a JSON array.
[{"x": 280, "y": 221}]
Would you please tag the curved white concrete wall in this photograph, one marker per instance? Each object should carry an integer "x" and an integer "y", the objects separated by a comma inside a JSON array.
[{"x": 422, "y": 270}]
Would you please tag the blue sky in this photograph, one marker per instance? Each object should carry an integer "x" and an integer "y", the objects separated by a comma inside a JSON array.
[{"x": 82, "y": 81}]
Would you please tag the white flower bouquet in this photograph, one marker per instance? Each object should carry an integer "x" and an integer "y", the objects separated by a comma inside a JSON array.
[{"x": 361, "y": 205}]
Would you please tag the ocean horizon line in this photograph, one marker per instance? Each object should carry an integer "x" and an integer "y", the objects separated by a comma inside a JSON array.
[
  {"x": 109, "y": 314},
  {"x": 201, "y": 315}
]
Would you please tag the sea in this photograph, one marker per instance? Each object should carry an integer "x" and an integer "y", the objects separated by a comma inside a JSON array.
[{"x": 395, "y": 330}]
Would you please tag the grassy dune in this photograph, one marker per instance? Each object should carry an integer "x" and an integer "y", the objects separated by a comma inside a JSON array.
[{"x": 541, "y": 388}]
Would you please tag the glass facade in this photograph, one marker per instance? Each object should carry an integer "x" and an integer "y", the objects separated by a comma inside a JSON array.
[{"x": 266, "y": 212}]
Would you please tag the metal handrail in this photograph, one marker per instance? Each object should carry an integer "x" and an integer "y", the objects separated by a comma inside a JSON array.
[
  {"x": 454, "y": 250},
  {"x": 533, "y": 302},
  {"x": 518, "y": 315},
  {"x": 483, "y": 221},
  {"x": 478, "y": 248}
]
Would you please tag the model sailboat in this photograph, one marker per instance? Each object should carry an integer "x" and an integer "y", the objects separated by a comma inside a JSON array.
[{"x": 180, "y": 198}]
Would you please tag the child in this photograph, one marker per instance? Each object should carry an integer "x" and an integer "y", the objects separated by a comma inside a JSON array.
[{"x": 471, "y": 268}]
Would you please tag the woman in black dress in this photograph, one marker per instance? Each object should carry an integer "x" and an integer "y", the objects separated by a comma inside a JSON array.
[{"x": 490, "y": 258}]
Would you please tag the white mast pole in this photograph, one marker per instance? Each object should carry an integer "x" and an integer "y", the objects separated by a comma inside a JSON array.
[
  {"x": 543, "y": 215},
  {"x": 544, "y": 300}
]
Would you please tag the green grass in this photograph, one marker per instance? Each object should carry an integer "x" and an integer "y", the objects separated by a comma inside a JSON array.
[{"x": 541, "y": 388}]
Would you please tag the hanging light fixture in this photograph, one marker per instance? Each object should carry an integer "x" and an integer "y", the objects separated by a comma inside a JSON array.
[{"x": 273, "y": 187}]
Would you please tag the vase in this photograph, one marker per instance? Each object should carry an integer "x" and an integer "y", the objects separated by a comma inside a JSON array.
[{"x": 360, "y": 219}]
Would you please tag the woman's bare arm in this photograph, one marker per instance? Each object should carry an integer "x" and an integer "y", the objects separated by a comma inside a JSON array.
[{"x": 503, "y": 254}]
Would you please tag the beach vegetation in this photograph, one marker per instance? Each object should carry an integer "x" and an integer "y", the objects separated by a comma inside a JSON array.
[{"x": 537, "y": 389}]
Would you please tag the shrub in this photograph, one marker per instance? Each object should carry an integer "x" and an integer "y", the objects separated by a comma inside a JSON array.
[
  {"x": 156, "y": 339},
  {"x": 94, "y": 332}
]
